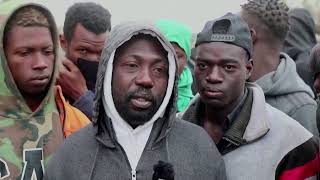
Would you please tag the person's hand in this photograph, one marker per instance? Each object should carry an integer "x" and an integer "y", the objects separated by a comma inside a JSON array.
[{"x": 71, "y": 80}]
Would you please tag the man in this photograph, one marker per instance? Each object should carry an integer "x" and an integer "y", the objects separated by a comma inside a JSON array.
[
  {"x": 300, "y": 40},
  {"x": 85, "y": 30},
  {"x": 256, "y": 140},
  {"x": 34, "y": 118},
  {"x": 180, "y": 37},
  {"x": 134, "y": 124},
  {"x": 274, "y": 71}
]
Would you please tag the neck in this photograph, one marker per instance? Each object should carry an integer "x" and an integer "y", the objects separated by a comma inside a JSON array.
[
  {"x": 215, "y": 119},
  {"x": 33, "y": 101},
  {"x": 215, "y": 115},
  {"x": 218, "y": 116},
  {"x": 268, "y": 59}
]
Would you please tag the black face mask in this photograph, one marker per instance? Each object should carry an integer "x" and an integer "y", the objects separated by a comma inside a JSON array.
[{"x": 89, "y": 70}]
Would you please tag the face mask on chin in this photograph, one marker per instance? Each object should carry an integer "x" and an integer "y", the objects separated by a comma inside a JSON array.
[{"x": 89, "y": 71}]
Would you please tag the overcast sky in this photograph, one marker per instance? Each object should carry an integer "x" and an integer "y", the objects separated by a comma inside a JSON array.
[{"x": 192, "y": 12}]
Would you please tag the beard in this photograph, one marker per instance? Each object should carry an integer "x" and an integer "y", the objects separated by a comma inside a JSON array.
[{"x": 135, "y": 116}]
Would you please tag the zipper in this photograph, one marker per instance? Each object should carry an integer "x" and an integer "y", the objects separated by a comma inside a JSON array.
[
  {"x": 133, "y": 172},
  {"x": 133, "y": 175}
]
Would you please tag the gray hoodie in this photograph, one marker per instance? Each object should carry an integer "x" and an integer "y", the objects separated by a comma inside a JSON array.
[
  {"x": 95, "y": 151},
  {"x": 286, "y": 91},
  {"x": 300, "y": 40}
]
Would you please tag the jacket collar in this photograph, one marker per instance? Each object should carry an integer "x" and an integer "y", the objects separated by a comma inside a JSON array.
[
  {"x": 105, "y": 133},
  {"x": 240, "y": 121},
  {"x": 247, "y": 127}
]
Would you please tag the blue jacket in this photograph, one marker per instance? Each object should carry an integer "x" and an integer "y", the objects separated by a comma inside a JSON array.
[{"x": 85, "y": 103}]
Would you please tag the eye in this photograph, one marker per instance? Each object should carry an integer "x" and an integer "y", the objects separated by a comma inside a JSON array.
[
  {"x": 83, "y": 51},
  {"x": 180, "y": 56},
  {"x": 160, "y": 70},
  {"x": 48, "y": 52},
  {"x": 24, "y": 53},
  {"x": 130, "y": 67},
  {"x": 229, "y": 67},
  {"x": 202, "y": 66}
]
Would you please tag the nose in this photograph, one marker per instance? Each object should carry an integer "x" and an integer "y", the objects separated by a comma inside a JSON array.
[
  {"x": 144, "y": 79},
  {"x": 39, "y": 61},
  {"x": 214, "y": 76}
]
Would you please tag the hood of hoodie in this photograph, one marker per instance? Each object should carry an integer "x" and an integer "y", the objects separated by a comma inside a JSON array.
[
  {"x": 9, "y": 92},
  {"x": 104, "y": 104},
  {"x": 177, "y": 32},
  {"x": 285, "y": 80},
  {"x": 301, "y": 36}
]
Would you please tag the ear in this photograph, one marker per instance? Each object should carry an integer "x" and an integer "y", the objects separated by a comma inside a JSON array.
[
  {"x": 253, "y": 35},
  {"x": 249, "y": 67},
  {"x": 63, "y": 42}
]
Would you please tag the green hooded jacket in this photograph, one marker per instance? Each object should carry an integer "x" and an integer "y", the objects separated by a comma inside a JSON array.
[
  {"x": 27, "y": 138},
  {"x": 181, "y": 34}
]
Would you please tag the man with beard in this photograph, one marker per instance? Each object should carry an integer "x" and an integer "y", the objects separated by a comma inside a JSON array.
[
  {"x": 134, "y": 124},
  {"x": 85, "y": 30},
  {"x": 256, "y": 140},
  {"x": 34, "y": 117}
]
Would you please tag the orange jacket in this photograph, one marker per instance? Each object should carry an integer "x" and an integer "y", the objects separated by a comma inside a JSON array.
[{"x": 72, "y": 119}]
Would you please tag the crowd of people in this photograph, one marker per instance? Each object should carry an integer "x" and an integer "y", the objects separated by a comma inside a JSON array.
[{"x": 141, "y": 101}]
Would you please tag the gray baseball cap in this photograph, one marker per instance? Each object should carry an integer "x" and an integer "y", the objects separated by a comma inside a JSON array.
[{"x": 230, "y": 28}]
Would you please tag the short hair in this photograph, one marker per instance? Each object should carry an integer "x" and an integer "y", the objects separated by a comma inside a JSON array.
[
  {"x": 272, "y": 13},
  {"x": 91, "y": 16},
  {"x": 26, "y": 17},
  {"x": 315, "y": 60}
]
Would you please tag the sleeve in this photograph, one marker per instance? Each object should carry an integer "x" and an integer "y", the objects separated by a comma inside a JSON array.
[
  {"x": 85, "y": 104},
  {"x": 300, "y": 163}
]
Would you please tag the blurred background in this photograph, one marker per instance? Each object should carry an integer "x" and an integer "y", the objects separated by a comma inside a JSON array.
[{"x": 194, "y": 13}]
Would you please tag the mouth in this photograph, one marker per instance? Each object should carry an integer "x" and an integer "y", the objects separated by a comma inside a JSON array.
[
  {"x": 213, "y": 93},
  {"x": 40, "y": 80},
  {"x": 141, "y": 102}
]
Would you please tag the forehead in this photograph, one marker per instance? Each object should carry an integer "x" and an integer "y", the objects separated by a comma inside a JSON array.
[
  {"x": 143, "y": 46},
  {"x": 177, "y": 48},
  {"x": 29, "y": 36},
  {"x": 220, "y": 51},
  {"x": 82, "y": 35}
]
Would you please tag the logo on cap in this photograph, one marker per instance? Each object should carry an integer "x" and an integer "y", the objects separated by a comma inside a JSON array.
[{"x": 223, "y": 37}]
